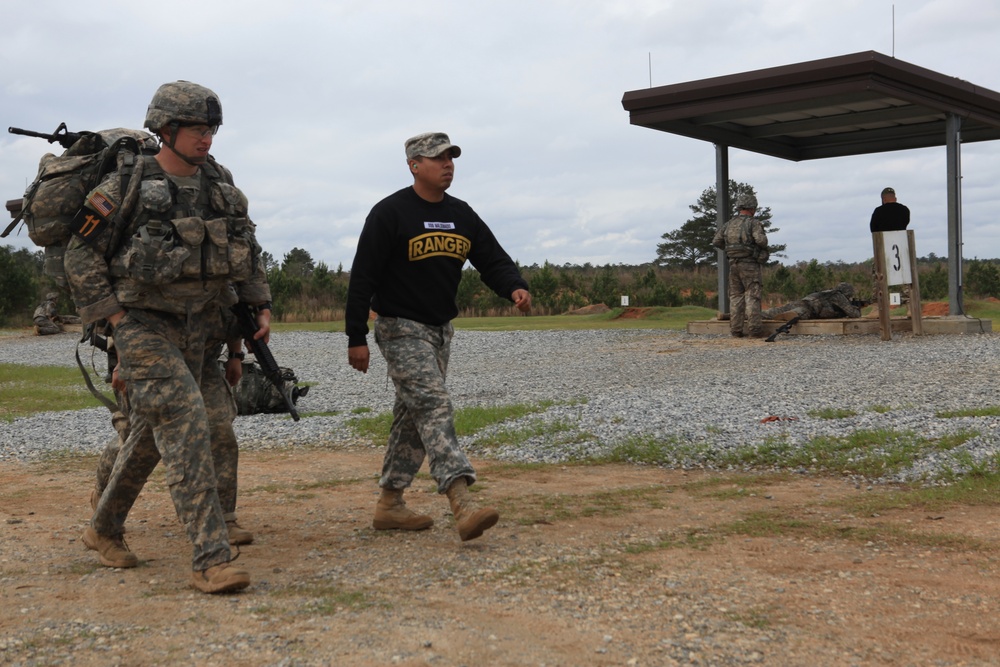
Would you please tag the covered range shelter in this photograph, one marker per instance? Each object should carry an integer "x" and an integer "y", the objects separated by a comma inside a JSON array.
[{"x": 847, "y": 105}]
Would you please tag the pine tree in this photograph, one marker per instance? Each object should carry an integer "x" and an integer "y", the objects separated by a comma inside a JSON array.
[{"x": 691, "y": 246}]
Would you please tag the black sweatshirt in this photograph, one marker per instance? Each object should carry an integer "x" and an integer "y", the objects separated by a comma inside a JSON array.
[{"x": 410, "y": 257}]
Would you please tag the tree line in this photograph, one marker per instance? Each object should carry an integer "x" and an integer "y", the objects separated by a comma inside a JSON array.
[
  {"x": 682, "y": 273},
  {"x": 304, "y": 290}
]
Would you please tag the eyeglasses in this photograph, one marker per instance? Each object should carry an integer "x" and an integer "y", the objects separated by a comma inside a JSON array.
[{"x": 201, "y": 130}]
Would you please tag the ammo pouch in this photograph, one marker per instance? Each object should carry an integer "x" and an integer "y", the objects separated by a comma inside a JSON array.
[
  {"x": 189, "y": 248},
  {"x": 739, "y": 251}
]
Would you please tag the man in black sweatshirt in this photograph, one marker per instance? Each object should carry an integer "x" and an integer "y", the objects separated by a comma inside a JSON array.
[{"x": 407, "y": 269}]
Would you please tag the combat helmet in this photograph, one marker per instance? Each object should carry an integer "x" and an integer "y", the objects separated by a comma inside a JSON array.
[
  {"x": 183, "y": 103},
  {"x": 746, "y": 201},
  {"x": 847, "y": 289}
]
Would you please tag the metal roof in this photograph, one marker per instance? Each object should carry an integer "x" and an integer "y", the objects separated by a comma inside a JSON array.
[{"x": 848, "y": 105}]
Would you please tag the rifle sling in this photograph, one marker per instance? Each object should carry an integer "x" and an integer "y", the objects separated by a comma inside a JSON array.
[{"x": 90, "y": 385}]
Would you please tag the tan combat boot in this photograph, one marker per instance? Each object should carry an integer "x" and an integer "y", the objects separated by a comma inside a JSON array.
[
  {"x": 237, "y": 534},
  {"x": 392, "y": 513},
  {"x": 471, "y": 522},
  {"x": 111, "y": 551},
  {"x": 223, "y": 578}
]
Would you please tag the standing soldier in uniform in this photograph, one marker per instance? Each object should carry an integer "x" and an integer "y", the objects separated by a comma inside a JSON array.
[
  {"x": 407, "y": 269},
  {"x": 157, "y": 261},
  {"x": 745, "y": 242}
]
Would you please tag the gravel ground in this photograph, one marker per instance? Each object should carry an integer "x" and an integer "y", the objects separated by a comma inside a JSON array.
[
  {"x": 587, "y": 589},
  {"x": 707, "y": 393}
]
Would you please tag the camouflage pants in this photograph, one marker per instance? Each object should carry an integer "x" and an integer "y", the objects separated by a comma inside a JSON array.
[
  {"x": 745, "y": 290},
  {"x": 46, "y": 327},
  {"x": 423, "y": 424},
  {"x": 221, "y": 410},
  {"x": 799, "y": 308},
  {"x": 162, "y": 359}
]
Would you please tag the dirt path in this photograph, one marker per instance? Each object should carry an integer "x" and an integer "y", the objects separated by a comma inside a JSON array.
[{"x": 590, "y": 565}]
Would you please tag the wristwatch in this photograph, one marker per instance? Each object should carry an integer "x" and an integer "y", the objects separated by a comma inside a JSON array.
[{"x": 237, "y": 355}]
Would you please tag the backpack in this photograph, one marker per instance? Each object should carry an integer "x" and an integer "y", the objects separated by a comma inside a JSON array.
[
  {"x": 255, "y": 393},
  {"x": 63, "y": 182}
]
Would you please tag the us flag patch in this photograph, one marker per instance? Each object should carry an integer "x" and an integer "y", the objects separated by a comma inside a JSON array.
[{"x": 101, "y": 204}]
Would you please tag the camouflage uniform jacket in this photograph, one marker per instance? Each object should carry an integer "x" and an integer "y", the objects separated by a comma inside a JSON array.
[
  {"x": 831, "y": 304},
  {"x": 166, "y": 244},
  {"x": 743, "y": 238}
]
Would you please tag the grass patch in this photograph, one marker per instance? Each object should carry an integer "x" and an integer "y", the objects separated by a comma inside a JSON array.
[
  {"x": 27, "y": 390},
  {"x": 326, "y": 599},
  {"x": 869, "y": 453},
  {"x": 560, "y": 431},
  {"x": 468, "y": 421},
  {"x": 990, "y": 411},
  {"x": 773, "y": 523},
  {"x": 539, "y": 508},
  {"x": 873, "y": 453}
]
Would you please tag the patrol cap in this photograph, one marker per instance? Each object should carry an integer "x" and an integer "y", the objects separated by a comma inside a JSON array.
[
  {"x": 430, "y": 144},
  {"x": 888, "y": 191}
]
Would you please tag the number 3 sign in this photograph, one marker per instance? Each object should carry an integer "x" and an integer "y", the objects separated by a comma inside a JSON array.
[{"x": 897, "y": 258}]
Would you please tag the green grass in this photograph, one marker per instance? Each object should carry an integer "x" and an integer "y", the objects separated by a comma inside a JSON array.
[
  {"x": 26, "y": 390},
  {"x": 468, "y": 420},
  {"x": 872, "y": 453},
  {"x": 655, "y": 318}
]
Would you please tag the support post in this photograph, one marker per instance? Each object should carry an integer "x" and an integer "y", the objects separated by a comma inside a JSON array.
[
  {"x": 721, "y": 212},
  {"x": 953, "y": 128}
]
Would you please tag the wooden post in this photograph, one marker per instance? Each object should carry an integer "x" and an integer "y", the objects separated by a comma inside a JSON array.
[
  {"x": 882, "y": 285},
  {"x": 916, "y": 317}
]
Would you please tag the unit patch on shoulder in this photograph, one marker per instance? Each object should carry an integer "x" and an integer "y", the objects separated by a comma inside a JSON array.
[{"x": 92, "y": 218}]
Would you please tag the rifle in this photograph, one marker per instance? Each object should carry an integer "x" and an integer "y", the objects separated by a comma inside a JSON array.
[
  {"x": 62, "y": 135},
  {"x": 784, "y": 328},
  {"x": 861, "y": 303},
  {"x": 259, "y": 349}
]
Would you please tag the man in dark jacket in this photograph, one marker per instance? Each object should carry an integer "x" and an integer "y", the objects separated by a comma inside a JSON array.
[
  {"x": 407, "y": 269},
  {"x": 891, "y": 216}
]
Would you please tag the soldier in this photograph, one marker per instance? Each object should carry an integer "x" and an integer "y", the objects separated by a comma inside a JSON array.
[
  {"x": 745, "y": 242},
  {"x": 47, "y": 319},
  {"x": 825, "y": 305},
  {"x": 407, "y": 269},
  {"x": 177, "y": 238},
  {"x": 221, "y": 411}
]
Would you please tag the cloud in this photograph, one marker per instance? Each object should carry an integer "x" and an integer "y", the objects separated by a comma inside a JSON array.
[{"x": 319, "y": 97}]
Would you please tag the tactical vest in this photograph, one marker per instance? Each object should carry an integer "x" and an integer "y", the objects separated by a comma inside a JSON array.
[
  {"x": 737, "y": 234},
  {"x": 184, "y": 246},
  {"x": 739, "y": 239}
]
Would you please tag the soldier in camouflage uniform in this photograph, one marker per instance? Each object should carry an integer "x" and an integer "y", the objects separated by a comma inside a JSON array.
[
  {"x": 745, "y": 242},
  {"x": 47, "y": 319},
  {"x": 157, "y": 262},
  {"x": 220, "y": 408},
  {"x": 827, "y": 304},
  {"x": 407, "y": 269}
]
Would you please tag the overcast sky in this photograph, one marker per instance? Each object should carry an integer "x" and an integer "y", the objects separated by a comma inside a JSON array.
[{"x": 318, "y": 98}]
